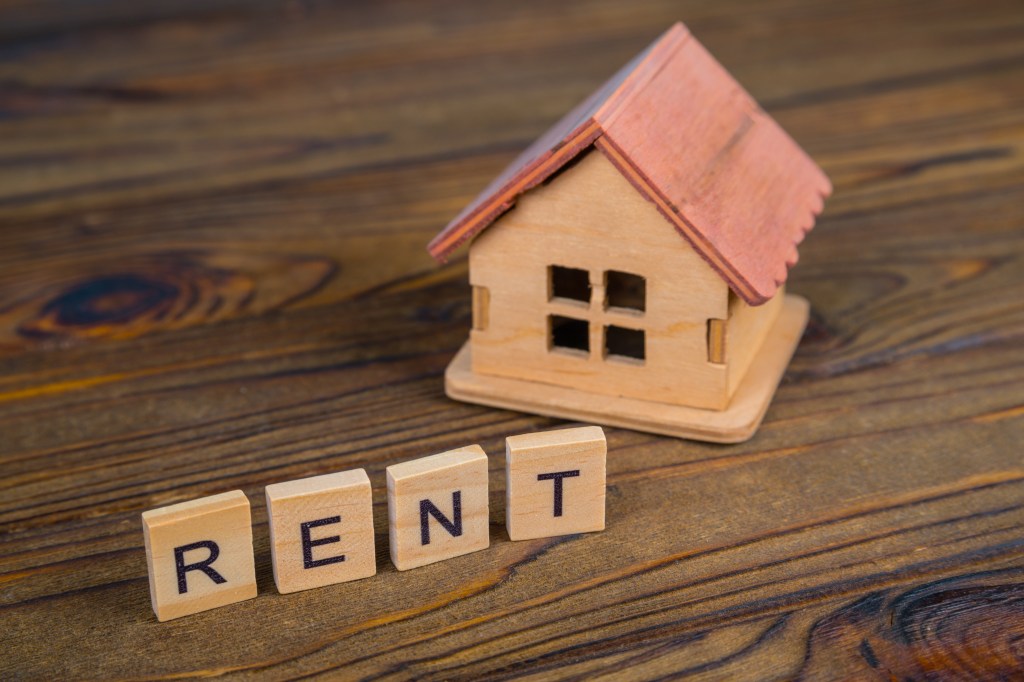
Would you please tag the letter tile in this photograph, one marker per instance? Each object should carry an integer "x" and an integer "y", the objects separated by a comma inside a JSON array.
[
  {"x": 199, "y": 554},
  {"x": 555, "y": 482},
  {"x": 321, "y": 530},
  {"x": 438, "y": 507}
]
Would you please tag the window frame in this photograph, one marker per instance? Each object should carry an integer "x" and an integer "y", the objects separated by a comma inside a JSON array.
[
  {"x": 554, "y": 280},
  {"x": 571, "y": 351},
  {"x": 597, "y": 314},
  {"x": 623, "y": 357},
  {"x": 609, "y": 288}
]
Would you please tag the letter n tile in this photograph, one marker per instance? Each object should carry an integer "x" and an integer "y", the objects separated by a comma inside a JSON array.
[{"x": 438, "y": 507}]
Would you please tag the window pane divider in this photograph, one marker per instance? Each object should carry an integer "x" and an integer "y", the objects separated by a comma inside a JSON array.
[{"x": 612, "y": 327}]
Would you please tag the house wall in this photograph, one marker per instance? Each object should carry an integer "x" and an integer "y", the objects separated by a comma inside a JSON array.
[
  {"x": 745, "y": 331},
  {"x": 590, "y": 217}
]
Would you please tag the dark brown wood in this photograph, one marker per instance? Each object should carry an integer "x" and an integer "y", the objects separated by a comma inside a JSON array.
[{"x": 213, "y": 276}]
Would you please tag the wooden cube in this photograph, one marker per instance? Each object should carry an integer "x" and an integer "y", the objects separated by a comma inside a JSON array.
[
  {"x": 438, "y": 507},
  {"x": 321, "y": 530},
  {"x": 199, "y": 554},
  {"x": 555, "y": 482}
]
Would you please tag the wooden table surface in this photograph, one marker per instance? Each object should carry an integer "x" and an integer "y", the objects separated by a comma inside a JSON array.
[{"x": 213, "y": 276}]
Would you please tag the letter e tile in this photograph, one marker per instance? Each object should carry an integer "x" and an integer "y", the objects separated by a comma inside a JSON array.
[{"x": 321, "y": 530}]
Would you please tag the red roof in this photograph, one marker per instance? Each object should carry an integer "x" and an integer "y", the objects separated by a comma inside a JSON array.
[{"x": 695, "y": 144}]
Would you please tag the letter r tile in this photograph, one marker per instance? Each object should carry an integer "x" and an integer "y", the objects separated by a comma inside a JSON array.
[
  {"x": 555, "y": 482},
  {"x": 321, "y": 530},
  {"x": 199, "y": 554},
  {"x": 438, "y": 507}
]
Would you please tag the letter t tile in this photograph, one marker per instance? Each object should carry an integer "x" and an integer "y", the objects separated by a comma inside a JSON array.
[{"x": 555, "y": 482}]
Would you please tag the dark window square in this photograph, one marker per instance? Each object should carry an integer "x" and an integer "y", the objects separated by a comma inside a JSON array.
[
  {"x": 568, "y": 334},
  {"x": 624, "y": 290},
  {"x": 624, "y": 343},
  {"x": 569, "y": 283}
]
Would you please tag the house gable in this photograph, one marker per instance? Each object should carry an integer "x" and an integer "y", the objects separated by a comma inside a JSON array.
[{"x": 590, "y": 218}]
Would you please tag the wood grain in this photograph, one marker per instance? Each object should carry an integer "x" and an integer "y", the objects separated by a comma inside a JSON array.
[{"x": 212, "y": 277}]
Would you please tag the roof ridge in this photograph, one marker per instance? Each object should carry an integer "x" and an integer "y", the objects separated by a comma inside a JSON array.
[{"x": 642, "y": 74}]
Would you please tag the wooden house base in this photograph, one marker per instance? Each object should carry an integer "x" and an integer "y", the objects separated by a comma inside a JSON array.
[{"x": 735, "y": 424}]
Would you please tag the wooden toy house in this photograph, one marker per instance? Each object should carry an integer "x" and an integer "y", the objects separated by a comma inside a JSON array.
[{"x": 629, "y": 267}]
